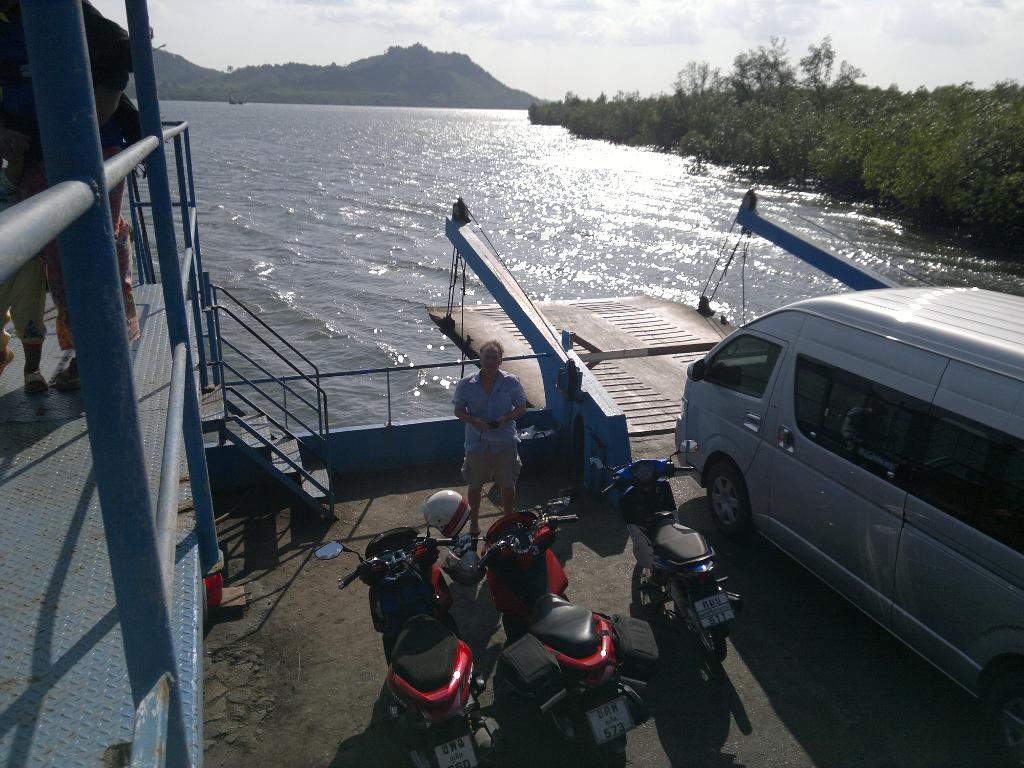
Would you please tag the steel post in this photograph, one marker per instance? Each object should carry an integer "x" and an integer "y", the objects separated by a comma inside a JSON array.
[
  {"x": 212, "y": 327},
  {"x": 133, "y": 206},
  {"x": 186, "y": 223},
  {"x": 197, "y": 323},
  {"x": 143, "y": 239},
  {"x": 170, "y": 274},
  {"x": 192, "y": 202},
  {"x": 66, "y": 111}
]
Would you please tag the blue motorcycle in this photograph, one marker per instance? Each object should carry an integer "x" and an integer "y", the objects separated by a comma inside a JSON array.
[{"x": 675, "y": 575}]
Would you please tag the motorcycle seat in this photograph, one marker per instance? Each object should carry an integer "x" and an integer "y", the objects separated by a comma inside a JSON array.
[
  {"x": 567, "y": 628},
  {"x": 678, "y": 544},
  {"x": 424, "y": 654}
]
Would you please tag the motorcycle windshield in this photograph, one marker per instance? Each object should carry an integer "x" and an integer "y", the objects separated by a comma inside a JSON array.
[{"x": 395, "y": 538}]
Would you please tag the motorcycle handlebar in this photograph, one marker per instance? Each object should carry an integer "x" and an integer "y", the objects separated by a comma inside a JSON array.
[
  {"x": 564, "y": 518},
  {"x": 351, "y": 577},
  {"x": 487, "y": 555}
]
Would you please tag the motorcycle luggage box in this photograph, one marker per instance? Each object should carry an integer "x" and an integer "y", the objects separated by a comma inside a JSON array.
[
  {"x": 635, "y": 647},
  {"x": 531, "y": 669}
]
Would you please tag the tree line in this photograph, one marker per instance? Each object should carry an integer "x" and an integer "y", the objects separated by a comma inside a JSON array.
[{"x": 952, "y": 156}]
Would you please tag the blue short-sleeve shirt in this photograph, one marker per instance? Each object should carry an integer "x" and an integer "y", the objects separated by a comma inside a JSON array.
[{"x": 507, "y": 395}]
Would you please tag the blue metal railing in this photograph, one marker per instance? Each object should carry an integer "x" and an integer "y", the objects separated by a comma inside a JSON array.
[
  {"x": 276, "y": 411},
  {"x": 186, "y": 203},
  {"x": 387, "y": 371},
  {"x": 75, "y": 210}
]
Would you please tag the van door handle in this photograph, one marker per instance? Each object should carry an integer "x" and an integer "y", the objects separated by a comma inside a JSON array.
[
  {"x": 752, "y": 422},
  {"x": 785, "y": 439}
]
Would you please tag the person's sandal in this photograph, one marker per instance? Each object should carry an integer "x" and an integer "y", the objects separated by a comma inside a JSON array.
[
  {"x": 35, "y": 383},
  {"x": 67, "y": 380}
]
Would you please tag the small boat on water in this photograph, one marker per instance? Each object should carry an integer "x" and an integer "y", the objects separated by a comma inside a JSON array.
[{"x": 236, "y": 100}]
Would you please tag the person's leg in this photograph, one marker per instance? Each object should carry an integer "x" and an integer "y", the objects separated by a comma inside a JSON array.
[
  {"x": 124, "y": 249},
  {"x": 33, "y": 356},
  {"x": 35, "y": 383},
  {"x": 508, "y": 499},
  {"x": 27, "y": 299},
  {"x": 475, "y": 470},
  {"x": 473, "y": 495},
  {"x": 506, "y": 471}
]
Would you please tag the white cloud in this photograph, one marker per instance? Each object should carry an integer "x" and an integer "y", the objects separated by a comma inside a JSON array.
[
  {"x": 547, "y": 47},
  {"x": 956, "y": 24},
  {"x": 781, "y": 18}
]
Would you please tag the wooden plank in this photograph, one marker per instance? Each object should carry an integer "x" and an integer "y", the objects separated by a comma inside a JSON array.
[
  {"x": 233, "y": 598},
  {"x": 623, "y": 354}
]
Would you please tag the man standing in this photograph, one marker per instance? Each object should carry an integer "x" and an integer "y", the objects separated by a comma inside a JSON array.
[
  {"x": 490, "y": 401},
  {"x": 110, "y": 63}
]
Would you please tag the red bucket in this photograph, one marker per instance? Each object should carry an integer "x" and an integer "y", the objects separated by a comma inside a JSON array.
[{"x": 214, "y": 589}]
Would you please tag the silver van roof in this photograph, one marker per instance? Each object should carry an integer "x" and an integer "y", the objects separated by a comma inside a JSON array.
[{"x": 985, "y": 328}]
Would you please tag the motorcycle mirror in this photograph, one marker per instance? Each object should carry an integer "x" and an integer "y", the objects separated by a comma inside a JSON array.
[
  {"x": 329, "y": 550},
  {"x": 597, "y": 462}
]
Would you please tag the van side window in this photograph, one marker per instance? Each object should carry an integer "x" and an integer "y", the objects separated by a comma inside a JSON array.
[
  {"x": 976, "y": 474},
  {"x": 744, "y": 364},
  {"x": 866, "y": 423},
  {"x": 972, "y": 472}
]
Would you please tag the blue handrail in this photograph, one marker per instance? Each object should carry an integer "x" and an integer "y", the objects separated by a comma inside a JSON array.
[
  {"x": 75, "y": 211},
  {"x": 150, "y": 732},
  {"x": 215, "y": 309},
  {"x": 271, "y": 378},
  {"x": 242, "y": 381},
  {"x": 395, "y": 369}
]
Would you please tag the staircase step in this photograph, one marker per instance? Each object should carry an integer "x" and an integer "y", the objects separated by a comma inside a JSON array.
[
  {"x": 321, "y": 476},
  {"x": 287, "y": 480},
  {"x": 290, "y": 448},
  {"x": 259, "y": 423},
  {"x": 311, "y": 459}
]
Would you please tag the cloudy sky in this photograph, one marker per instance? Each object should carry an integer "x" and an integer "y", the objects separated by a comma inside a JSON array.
[{"x": 548, "y": 47}]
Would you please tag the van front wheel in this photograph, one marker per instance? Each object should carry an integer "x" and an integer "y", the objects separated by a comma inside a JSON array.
[{"x": 728, "y": 500}]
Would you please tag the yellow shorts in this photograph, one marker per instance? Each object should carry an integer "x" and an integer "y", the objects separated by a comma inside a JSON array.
[
  {"x": 22, "y": 300},
  {"x": 504, "y": 466}
]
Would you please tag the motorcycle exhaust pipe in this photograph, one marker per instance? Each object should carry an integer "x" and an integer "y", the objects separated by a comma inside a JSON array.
[{"x": 553, "y": 701}]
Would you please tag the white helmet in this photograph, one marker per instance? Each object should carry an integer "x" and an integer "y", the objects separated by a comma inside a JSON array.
[{"x": 447, "y": 511}]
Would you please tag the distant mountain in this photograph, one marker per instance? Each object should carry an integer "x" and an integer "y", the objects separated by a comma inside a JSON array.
[{"x": 406, "y": 77}]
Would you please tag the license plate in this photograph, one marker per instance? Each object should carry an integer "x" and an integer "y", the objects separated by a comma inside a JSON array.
[
  {"x": 714, "y": 610},
  {"x": 610, "y": 720},
  {"x": 457, "y": 753}
]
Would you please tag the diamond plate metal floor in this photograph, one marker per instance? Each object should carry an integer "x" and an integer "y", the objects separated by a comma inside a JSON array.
[{"x": 64, "y": 695}]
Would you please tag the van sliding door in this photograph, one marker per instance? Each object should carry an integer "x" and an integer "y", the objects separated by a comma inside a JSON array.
[
  {"x": 845, "y": 433},
  {"x": 959, "y": 584}
]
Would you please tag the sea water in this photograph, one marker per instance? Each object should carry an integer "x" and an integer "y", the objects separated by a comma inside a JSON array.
[{"x": 329, "y": 222}]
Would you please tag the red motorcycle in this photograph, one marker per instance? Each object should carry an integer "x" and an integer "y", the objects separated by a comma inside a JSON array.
[
  {"x": 582, "y": 668},
  {"x": 520, "y": 566},
  {"x": 430, "y": 676}
]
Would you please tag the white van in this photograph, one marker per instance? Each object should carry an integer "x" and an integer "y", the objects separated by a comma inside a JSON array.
[{"x": 878, "y": 438}]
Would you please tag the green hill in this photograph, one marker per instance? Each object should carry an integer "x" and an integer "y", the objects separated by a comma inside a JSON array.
[{"x": 406, "y": 77}]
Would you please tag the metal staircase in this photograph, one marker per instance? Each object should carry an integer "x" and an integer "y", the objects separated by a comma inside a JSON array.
[{"x": 279, "y": 420}]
